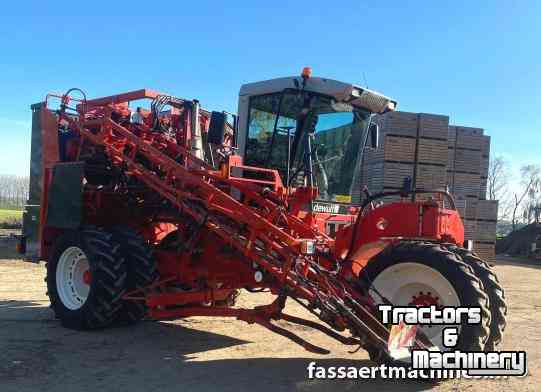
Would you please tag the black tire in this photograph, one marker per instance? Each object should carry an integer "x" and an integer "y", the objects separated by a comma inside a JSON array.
[
  {"x": 107, "y": 286},
  {"x": 142, "y": 271},
  {"x": 466, "y": 284},
  {"x": 495, "y": 292}
]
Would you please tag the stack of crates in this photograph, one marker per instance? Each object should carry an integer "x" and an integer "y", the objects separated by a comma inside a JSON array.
[
  {"x": 436, "y": 155},
  {"x": 413, "y": 145},
  {"x": 467, "y": 172}
]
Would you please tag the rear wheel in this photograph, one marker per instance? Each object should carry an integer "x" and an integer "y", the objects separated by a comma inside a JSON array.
[
  {"x": 495, "y": 292},
  {"x": 85, "y": 279},
  {"x": 424, "y": 274},
  {"x": 142, "y": 272}
]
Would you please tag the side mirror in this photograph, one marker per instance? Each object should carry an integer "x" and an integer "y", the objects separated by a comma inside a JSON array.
[
  {"x": 373, "y": 128},
  {"x": 216, "y": 130}
]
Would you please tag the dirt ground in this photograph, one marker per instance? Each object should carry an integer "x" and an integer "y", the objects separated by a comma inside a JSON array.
[{"x": 207, "y": 354}]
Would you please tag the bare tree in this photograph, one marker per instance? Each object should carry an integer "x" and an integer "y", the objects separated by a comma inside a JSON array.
[
  {"x": 505, "y": 208},
  {"x": 13, "y": 191},
  {"x": 498, "y": 186},
  {"x": 531, "y": 179},
  {"x": 498, "y": 178},
  {"x": 532, "y": 209}
]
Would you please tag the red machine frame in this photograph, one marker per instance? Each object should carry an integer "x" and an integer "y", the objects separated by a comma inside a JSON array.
[{"x": 261, "y": 229}]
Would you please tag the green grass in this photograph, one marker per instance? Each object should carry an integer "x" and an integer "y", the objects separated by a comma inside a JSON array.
[{"x": 10, "y": 215}]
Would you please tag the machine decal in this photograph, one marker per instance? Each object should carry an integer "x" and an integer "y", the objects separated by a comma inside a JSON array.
[{"x": 326, "y": 207}]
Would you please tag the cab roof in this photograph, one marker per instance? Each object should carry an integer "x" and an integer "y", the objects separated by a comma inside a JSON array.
[{"x": 342, "y": 92}]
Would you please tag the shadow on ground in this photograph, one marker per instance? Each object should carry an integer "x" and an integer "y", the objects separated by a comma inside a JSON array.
[{"x": 37, "y": 353}]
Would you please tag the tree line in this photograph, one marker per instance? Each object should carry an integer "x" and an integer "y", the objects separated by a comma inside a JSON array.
[
  {"x": 13, "y": 191},
  {"x": 521, "y": 202}
]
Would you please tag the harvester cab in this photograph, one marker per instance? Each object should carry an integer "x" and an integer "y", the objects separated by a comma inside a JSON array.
[{"x": 313, "y": 131}]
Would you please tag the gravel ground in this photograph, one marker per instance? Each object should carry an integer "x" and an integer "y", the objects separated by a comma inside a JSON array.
[{"x": 206, "y": 354}]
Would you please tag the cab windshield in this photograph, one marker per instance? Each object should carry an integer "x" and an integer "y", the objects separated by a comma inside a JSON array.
[{"x": 311, "y": 139}]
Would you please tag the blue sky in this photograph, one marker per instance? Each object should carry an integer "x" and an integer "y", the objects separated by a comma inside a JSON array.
[{"x": 478, "y": 63}]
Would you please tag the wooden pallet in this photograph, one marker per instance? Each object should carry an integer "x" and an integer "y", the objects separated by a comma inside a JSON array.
[
  {"x": 468, "y": 131},
  {"x": 485, "y": 156},
  {"x": 399, "y": 123},
  {"x": 394, "y": 173},
  {"x": 430, "y": 177},
  {"x": 372, "y": 177},
  {"x": 466, "y": 160},
  {"x": 432, "y": 151},
  {"x": 485, "y": 230},
  {"x": 426, "y": 125},
  {"x": 451, "y": 135},
  {"x": 471, "y": 207},
  {"x": 473, "y": 142},
  {"x": 450, "y": 159},
  {"x": 403, "y": 149},
  {"x": 433, "y": 126},
  {"x": 460, "y": 205},
  {"x": 391, "y": 199},
  {"x": 400, "y": 149},
  {"x": 486, "y": 250},
  {"x": 466, "y": 184},
  {"x": 469, "y": 228},
  {"x": 485, "y": 145},
  {"x": 487, "y": 210},
  {"x": 480, "y": 217},
  {"x": 485, "y": 163},
  {"x": 483, "y": 188}
]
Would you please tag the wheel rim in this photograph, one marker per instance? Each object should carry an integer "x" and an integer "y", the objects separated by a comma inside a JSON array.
[
  {"x": 73, "y": 278},
  {"x": 416, "y": 284}
]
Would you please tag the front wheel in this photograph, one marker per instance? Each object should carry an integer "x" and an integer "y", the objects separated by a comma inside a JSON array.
[
  {"x": 494, "y": 290},
  {"x": 85, "y": 279},
  {"x": 424, "y": 274}
]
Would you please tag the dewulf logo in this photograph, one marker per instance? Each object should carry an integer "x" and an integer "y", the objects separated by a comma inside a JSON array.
[{"x": 328, "y": 208}]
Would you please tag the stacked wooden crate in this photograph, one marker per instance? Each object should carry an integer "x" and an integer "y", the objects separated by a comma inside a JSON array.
[
  {"x": 413, "y": 145},
  {"x": 467, "y": 171},
  {"x": 485, "y": 161},
  {"x": 487, "y": 218},
  {"x": 436, "y": 155}
]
